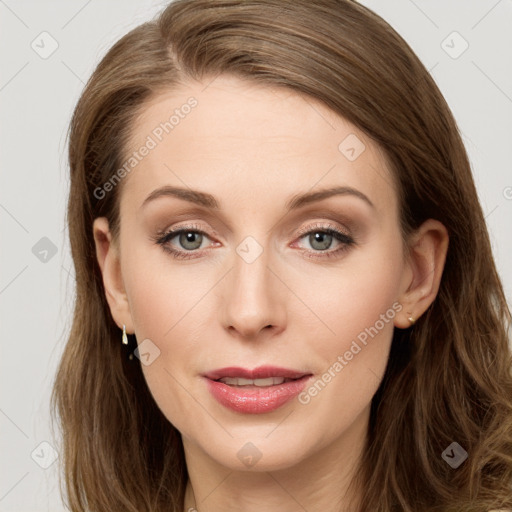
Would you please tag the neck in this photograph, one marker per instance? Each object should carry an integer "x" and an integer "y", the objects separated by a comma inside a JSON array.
[{"x": 319, "y": 482}]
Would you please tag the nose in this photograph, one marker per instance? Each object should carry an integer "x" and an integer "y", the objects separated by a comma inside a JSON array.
[{"x": 253, "y": 299}]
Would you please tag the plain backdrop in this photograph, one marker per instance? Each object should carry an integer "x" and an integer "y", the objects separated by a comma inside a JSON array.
[{"x": 48, "y": 49}]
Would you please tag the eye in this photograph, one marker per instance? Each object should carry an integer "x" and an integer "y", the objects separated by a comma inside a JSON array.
[
  {"x": 321, "y": 237},
  {"x": 190, "y": 238}
]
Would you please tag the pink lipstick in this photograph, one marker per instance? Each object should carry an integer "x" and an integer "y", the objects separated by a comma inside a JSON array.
[{"x": 263, "y": 389}]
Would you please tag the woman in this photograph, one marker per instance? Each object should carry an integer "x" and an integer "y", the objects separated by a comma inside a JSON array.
[{"x": 286, "y": 296}]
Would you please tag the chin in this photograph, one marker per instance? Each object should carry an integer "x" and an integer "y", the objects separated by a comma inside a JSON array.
[{"x": 259, "y": 451}]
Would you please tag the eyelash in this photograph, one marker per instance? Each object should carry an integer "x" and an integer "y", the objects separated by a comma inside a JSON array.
[{"x": 346, "y": 240}]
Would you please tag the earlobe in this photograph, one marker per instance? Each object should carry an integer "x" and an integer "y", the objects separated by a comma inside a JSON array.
[
  {"x": 428, "y": 247},
  {"x": 107, "y": 254}
]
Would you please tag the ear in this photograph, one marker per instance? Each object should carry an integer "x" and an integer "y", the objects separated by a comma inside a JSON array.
[
  {"x": 427, "y": 249},
  {"x": 107, "y": 253}
]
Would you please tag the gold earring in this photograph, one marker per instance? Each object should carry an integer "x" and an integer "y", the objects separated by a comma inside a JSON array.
[
  {"x": 411, "y": 320},
  {"x": 125, "y": 337}
]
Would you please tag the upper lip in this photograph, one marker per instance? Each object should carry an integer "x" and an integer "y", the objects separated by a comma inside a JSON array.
[{"x": 261, "y": 372}]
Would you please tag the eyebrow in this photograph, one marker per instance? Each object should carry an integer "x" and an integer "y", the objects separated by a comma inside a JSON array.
[{"x": 297, "y": 201}]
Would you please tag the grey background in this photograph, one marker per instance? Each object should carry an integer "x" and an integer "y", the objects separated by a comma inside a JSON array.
[{"x": 37, "y": 96}]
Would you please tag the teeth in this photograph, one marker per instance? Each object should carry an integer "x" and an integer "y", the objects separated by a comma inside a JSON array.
[{"x": 270, "y": 381}]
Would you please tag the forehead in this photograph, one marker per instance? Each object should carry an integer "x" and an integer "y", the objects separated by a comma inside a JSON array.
[{"x": 239, "y": 138}]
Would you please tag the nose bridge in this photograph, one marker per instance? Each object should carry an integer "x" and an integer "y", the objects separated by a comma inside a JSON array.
[{"x": 251, "y": 296}]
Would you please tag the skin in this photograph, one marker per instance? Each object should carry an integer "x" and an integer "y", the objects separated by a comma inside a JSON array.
[{"x": 254, "y": 148}]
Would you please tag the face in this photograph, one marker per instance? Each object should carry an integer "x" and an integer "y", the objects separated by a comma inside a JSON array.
[{"x": 250, "y": 275}]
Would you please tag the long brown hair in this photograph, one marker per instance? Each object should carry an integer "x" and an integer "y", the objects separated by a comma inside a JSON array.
[{"x": 448, "y": 379}]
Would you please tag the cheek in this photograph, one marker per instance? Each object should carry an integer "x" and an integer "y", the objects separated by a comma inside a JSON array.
[
  {"x": 163, "y": 293},
  {"x": 350, "y": 298},
  {"x": 164, "y": 310}
]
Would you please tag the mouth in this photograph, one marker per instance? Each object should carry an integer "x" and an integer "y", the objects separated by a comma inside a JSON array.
[
  {"x": 260, "y": 374},
  {"x": 260, "y": 390},
  {"x": 259, "y": 383}
]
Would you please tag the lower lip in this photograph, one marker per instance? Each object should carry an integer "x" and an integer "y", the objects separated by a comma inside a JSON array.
[{"x": 256, "y": 400}]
